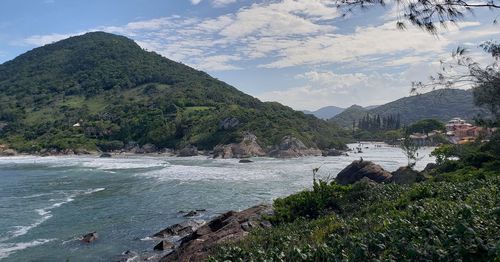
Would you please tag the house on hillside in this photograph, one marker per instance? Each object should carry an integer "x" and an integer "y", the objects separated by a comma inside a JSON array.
[{"x": 461, "y": 132}]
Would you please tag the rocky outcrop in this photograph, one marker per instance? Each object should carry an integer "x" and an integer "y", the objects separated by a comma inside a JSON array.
[
  {"x": 6, "y": 151},
  {"x": 406, "y": 175},
  {"x": 90, "y": 237},
  {"x": 228, "y": 227},
  {"x": 188, "y": 151},
  {"x": 164, "y": 245},
  {"x": 292, "y": 147},
  {"x": 105, "y": 155},
  {"x": 229, "y": 123},
  {"x": 248, "y": 147},
  {"x": 179, "y": 230},
  {"x": 359, "y": 169}
]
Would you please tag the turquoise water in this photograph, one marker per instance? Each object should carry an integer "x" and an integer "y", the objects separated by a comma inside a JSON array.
[{"x": 47, "y": 203}]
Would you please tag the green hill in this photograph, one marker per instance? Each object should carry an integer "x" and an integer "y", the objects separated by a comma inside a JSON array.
[
  {"x": 442, "y": 104},
  {"x": 119, "y": 93}
]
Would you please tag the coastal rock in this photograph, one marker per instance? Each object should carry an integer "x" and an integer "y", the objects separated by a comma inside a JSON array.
[
  {"x": 105, "y": 155},
  {"x": 248, "y": 147},
  {"x": 192, "y": 213},
  {"x": 359, "y": 169},
  {"x": 149, "y": 148},
  {"x": 245, "y": 161},
  {"x": 182, "y": 229},
  {"x": 5, "y": 151},
  {"x": 333, "y": 152},
  {"x": 429, "y": 167},
  {"x": 90, "y": 237},
  {"x": 164, "y": 245},
  {"x": 188, "y": 151},
  {"x": 228, "y": 227},
  {"x": 290, "y": 147},
  {"x": 406, "y": 175},
  {"x": 82, "y": 151}
]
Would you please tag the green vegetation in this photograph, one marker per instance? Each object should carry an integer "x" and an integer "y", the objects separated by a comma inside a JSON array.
[
  {"x": 425, "y": 126},
  {"x": 119, "y": 93},
  {"x": 452, "y": 216},
  {"x": 442, "y": 104}
]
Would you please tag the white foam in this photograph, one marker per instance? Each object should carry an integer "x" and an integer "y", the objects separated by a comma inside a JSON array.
[
  {"x": 46, "y": 213},
  {"x": 7, "y": 249}
]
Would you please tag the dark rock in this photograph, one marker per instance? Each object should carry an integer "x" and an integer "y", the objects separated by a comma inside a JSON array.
[
  {"x": 148, "y": 148},
  {"x": 81, "y": 151},
  {"x": 191, "y": 214},
  {"x": 406, "y": 175},
  {"x": 201, "y": 210},
  {"x": 359, "y": 169},
  {"x": 182, "y": 229},
  {"x": 90, "y": 237},
  {"x": 188, "y": 151},
  {"x": 105, "y": 155},
  {"x": 228, "y": 227},
  {"x": 246, "y": 161},
  {"x": 430, "y": 167},
  {"x": 127, "y": 256},
  {"x": 164, "y": 245}
]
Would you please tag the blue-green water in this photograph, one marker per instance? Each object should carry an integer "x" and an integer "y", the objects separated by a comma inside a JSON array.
[{"x": 47, "y": 203}]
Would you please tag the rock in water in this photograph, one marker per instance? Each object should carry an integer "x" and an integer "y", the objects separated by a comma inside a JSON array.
[
  {"x": 105, "y": 155},
  {"x": 183, "y": 229},
  {"x": 164, "y": 245},
  {"x": 246, "y": 161},
  {"x": 228, "y": 227},
  {"x": 192, "y": 213},
  {"x": 90, "y": 237},
  {"x": 359, "y": 169},
  {"x": 406, "y": 175}
]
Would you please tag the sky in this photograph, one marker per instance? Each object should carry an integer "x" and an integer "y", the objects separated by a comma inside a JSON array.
[{"x": 301, "y": 53}]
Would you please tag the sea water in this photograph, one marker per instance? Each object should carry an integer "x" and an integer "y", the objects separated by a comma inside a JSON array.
[{"x": 48, "y": 203}]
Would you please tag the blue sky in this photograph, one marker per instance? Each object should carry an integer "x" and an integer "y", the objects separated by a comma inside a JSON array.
[{"x": 301, "y": 53}]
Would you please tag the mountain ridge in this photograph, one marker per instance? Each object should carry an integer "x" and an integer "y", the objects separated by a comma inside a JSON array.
[{"x": 101, "y": 90}]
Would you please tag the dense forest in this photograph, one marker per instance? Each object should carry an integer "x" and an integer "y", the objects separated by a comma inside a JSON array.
[{"x": 102, "y": 91}]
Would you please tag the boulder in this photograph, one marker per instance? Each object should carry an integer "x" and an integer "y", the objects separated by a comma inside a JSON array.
[
  {"x": 359, "y": 169},
  {"x": 192, "y": 213},
  {"x": 293, "y": 147},
  {"x": 333, "y": 152},
  {"x": 188, "y": 151},
  {"x": 90, "y": 237},
  {"x": 406, "y": 175},
  {"x": 430, "y": 167},
  {"x": 248, "y": 147},
  {"x": 245, "y": 161},
  {"x": 148, "y": 148},
  {"x": 182, "y": 229},
  {"x": 8, "y": 152},
  {"x": 105, "y": 155},
  {"x": 228, "y": 227},
  {"x": 164, "y": 245},
  {"x": 81, "y": 151}
]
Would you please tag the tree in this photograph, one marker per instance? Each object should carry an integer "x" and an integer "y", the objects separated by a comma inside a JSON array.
[
  {"x": 425, "y": 126},
  {"x": 425, "y": 14},
  {"x": 410, "y": 149},
  {"x": 464, "y": 71}
]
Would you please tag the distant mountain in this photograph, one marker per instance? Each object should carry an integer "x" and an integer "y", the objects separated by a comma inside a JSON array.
[
  {"x": 442, "y": 104},
  {"x": 101, "y": 90},
  {"x": 326, "y": 112},
  {"x": 350, "y": 114}
]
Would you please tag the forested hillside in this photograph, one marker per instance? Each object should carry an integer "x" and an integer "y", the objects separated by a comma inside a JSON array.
[
  {"x": 101, "y": 90},
  {"x": 442, "y": 104}
]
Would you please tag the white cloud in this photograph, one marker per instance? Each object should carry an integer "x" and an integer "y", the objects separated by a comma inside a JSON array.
[
  {"x": 39, "y": 40},
  {"x": 195, "y": 2},
  {"x": 221, "y": 3}
]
